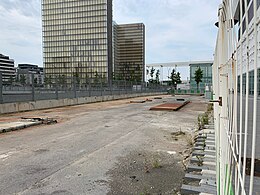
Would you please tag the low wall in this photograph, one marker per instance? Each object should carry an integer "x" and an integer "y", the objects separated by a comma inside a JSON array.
[{"x": 45, "y": 104}]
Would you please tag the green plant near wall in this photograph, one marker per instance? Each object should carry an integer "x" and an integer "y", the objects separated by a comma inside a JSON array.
[{"x": 205, "y": 119}]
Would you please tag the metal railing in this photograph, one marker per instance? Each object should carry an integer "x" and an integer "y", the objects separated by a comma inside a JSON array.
[{"x": 33, "y": 92}]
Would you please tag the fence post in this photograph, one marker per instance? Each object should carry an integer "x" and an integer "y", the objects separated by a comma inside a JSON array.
[
  {"x": 74, "y": 87},
  {"x": 1, "y": 89},
  {"x": 125, "y": 88},
  {"x": 33, "y": 88},
  {"x": 111, "y": 86},
  {"x": 89, "y": 88},
  {"x": 101, "y": 86},
  {"x": 131, "y": 84},
  {"x": 118, "y": 86},
  {"x": 56, "y": 88}
]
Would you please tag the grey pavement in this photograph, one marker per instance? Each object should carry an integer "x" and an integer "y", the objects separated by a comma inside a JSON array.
[{"x": 73, "y": 157}]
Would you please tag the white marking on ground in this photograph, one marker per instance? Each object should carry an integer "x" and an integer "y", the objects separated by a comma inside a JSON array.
[
  {"x": 171, "y": 152},
  {"x": 6, "y": 155}
]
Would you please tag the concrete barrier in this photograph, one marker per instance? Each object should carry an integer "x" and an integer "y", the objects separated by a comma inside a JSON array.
[{"x": 45, "y": 104}]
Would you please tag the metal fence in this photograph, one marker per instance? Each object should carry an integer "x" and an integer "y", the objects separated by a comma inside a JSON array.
[
  {"x": 33, "y": 92},
  {"x": 235, "y": 88}
]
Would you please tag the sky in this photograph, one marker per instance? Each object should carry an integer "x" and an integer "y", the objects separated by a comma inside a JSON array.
[{"x": 176, "y": 30}]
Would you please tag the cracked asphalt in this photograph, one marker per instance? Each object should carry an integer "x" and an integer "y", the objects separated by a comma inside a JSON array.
[{"x": 102, "y": 148}]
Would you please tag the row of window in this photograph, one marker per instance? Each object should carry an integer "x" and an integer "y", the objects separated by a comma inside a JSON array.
[
  {"x": 207, "y": 71},
  {"x": 98, "y": 21},
  {"x": 84, "y": 17},
  {"x": 73, "y": 3},
  {"x": 251, "y": 83},
  {"x": 99, "y": 31},
  {"x": 94, "y": 49},
  {"x": 76, "y": 56},
  {"x": 81, "y": 28},
  {"x": 82, "y": 67},
  {"x": 74, "y": 43},
  {"x": 61, "y": 9},
  {"x": 57, "y": 14},
  {"x": 250, "y": 11},
  {"x": 67, "y": 1},
  {"x": 97, "y": 49},
  {"x": 76, "y": 37},
  {"x": 68, "y": 72}
]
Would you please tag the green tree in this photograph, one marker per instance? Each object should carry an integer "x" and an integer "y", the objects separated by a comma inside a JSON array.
[
  {"x": 152, "y": 72},
  {"x": 178, "y": 78},
  {"x": 77, "y": 78},
  {"x": 173, "y": 78},
  {"x": 157, "y": 76},
  {"x": 22, "y": 79},
  {"x": 48, "y": 80},
  {"x": 61, "y": 80},
  {"x": 96, "y": 79},
  {"x": 35, "y": 81},
  {"x": 151, "y": 80},
  {"x": 198, "y": 76},
  {"x": 147, "y": 71}
]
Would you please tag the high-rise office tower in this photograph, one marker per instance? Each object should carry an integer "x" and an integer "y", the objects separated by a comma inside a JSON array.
[
  {"x": 77, "y": 39},
  {"x": 129, "y": 57}
]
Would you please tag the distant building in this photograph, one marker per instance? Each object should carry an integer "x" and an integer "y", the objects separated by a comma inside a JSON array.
[
  {"x": 207, "y": 75},
  {"x": 81, "y": 40},
  {"x": 7, "y": 69},
  {"x": 77, "y": 39},
  {"x": 25, "y": 72},
  {"x": 129, "y": 57}
]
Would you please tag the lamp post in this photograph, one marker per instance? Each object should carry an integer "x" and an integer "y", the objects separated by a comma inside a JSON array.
[{"x": 162, "y": 74}]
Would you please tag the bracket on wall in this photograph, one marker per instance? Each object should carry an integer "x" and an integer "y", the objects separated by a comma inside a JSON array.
[{"x": 219, "y": 101}]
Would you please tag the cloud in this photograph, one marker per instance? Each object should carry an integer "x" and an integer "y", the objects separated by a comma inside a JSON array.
[
  {"x": 21, "y": 30},
  {"x": 176, "y": 30}
]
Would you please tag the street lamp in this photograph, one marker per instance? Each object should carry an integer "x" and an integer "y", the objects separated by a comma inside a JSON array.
[{"x": 162, "y": 73}]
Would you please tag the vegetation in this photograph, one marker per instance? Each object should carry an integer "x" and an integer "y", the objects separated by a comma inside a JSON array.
[
  {"x": 77, "y": 78},
  {"x": 35, "y": 81},
  {"x": 61, "y": 80},
  {"x": 48, "y": 80},
  {"x": 156, "y": 164},
  {"x": 157, "y": 77},
  {"x": 210, "y": 108},
  {"x": 175, "y": 78},
  {"x": 200, "y": 160},
  {"x": 152, "y": 72},
  {"x": 96, "y": 79},
  {"x": 203, "y": 120},
  {"x": 198, "y": 76},
  {"x": 22, "y": 79}
]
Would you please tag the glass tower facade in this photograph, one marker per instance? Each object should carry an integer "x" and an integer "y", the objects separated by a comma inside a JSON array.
[
  {"x": 129, "y": 60},
  {"x": 77, "y": 39}
]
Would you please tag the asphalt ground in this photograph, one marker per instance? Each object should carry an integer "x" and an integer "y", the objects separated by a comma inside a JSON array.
[{"x": 102, "y": 148}]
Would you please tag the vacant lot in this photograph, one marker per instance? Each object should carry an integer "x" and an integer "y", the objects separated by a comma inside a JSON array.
[{"x": 103, "y": 148}]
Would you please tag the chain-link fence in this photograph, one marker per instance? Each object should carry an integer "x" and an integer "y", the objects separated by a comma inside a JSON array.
[{"x": 72, "y": 88}]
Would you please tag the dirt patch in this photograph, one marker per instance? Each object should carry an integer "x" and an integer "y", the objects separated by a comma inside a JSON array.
[
  {"x": 146, "y": 172},
  {"x": 64, "y": 114}
]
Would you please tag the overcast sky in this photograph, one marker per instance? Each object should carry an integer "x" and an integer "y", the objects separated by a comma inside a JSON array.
[{"x": 176, "y": 30}]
